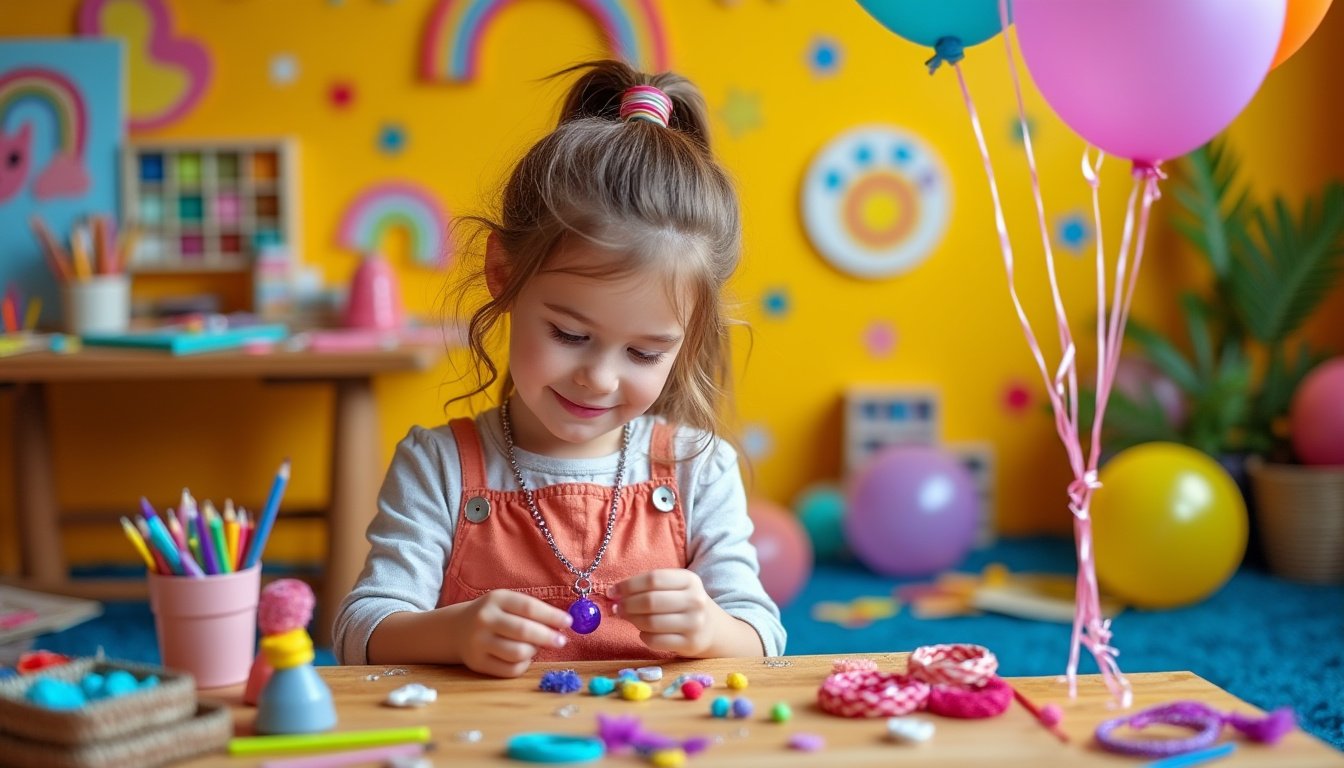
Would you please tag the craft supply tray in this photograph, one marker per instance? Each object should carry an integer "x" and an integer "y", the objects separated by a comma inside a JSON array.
[{"x": 172, "y": 700}]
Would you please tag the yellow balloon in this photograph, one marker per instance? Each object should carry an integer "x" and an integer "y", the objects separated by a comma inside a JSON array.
[{"x": 1169, "y": 526}]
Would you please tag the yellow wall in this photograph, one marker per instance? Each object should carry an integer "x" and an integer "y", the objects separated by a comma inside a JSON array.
[{"x": 955, "y": 324}]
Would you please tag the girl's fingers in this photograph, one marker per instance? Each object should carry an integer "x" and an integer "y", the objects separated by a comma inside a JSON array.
[
  {"x": 511, "y": 651},
  {"x": 655, "y": 602}
]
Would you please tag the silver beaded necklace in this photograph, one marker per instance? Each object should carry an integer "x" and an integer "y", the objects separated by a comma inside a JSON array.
[{"x": 585, "y": 612}]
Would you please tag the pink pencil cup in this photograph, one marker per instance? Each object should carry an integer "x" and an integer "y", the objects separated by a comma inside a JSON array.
[{"x": 207, "y": 626}]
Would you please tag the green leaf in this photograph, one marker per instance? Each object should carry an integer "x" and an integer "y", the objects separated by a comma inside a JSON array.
[
  {"x": 1165, "y": 356},
  {"x": 1196, "y": 313},
  {"x": 1204, "y": 189},
  {"x": 1288, "y": 264}
]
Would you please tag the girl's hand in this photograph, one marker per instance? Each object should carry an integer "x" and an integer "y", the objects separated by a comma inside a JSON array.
[
  {"x": 671, "y": 610},
  {"x": 502, "y": 630}
]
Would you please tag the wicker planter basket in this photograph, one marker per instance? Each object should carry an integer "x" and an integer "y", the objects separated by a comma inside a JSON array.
[{"x": 1300, "y": 512}]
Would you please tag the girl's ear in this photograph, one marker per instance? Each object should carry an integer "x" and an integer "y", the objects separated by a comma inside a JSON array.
[{"x": 496, "y": 265}]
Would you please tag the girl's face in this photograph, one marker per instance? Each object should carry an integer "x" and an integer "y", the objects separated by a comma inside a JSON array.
[{"x": 587, "y": 354}]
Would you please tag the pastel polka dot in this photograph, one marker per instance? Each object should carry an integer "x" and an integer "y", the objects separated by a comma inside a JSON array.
[
  {"x": 284, "y": 69},
  {"x": 879, "y": 338},
  {"x": 824, "y": 56},
  {"x": 1017, "y": 397}
]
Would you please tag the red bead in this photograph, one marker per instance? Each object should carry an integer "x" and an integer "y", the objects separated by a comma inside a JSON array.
[{"x": 692, "y": 689}]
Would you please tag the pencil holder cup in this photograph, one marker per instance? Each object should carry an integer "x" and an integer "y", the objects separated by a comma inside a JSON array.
[
  {"x": 100, "y": 304},
  {"x": 207, "y": 625},
  {"x": 375, "y": 297}
]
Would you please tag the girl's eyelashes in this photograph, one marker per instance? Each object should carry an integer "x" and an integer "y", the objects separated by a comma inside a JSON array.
[
  {"x": 645, "y": 358},
  {"x": 572, "y": 340},
  {"x": 566, "y": 338}
]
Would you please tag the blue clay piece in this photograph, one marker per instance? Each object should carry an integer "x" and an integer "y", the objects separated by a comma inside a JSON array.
[
  {"x": 150, "y": 681},
  {"x": 119, "y": 682},
  {"x": 743, "y": 708},
  {"x": 93, "y": 685},
  {"x": 601, "y": 686},
  {"x": 55, "y": 694},
  {"x": 720, "y": 707}
]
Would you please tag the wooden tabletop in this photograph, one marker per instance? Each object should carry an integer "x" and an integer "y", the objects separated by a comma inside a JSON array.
[
  {"x": 502, "y": 708},
  {"x": 121, "y": 364}
]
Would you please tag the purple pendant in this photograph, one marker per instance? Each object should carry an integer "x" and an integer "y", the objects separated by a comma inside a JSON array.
[{"x": 586, "y": 615}]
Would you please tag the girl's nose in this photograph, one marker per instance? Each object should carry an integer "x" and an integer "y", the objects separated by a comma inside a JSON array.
[{"x": 597, "y": 375}]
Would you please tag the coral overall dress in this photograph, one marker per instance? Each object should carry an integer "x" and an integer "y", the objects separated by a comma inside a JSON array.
[{"x": 497, "y": 544}]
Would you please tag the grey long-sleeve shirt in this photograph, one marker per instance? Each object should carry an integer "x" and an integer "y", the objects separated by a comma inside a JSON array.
[{"x": 411, "y": 538}]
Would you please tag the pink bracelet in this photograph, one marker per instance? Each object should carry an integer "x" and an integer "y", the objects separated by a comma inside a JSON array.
[
  {"x": 869, "y": 693},
  {"x": 989, "y": 700},
  {"x": 963, "y": 664}
]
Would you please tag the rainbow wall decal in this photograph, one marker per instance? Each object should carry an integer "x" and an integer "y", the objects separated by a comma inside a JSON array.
[
  {"x": 393, "y": 204},
  {"x": 65, "y": 175},
  {"x": 451, "y": 49}
]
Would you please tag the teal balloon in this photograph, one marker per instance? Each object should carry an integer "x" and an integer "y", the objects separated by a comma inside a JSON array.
[
  {"x": 821, "y": 510},
  {"x": 927, "y": 21}
]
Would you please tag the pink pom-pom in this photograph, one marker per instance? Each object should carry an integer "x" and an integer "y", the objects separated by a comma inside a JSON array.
[
  {"x": 1051, "y": 714},
  {"x": 285, "y": 604},
  {"x": 1266, "y": 730}
]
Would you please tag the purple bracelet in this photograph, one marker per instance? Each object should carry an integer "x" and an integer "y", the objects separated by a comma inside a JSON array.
[{"x": 1204, "y": 720}]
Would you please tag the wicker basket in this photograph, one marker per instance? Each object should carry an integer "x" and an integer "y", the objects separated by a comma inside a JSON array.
[
  {"x": 1300, "y": 511},
  {"x": 209, "y": 730},
  {"x": 172, "y": 700}
]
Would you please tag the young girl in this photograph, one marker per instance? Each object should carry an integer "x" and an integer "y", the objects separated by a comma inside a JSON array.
[{"x": 594, "y": 514}]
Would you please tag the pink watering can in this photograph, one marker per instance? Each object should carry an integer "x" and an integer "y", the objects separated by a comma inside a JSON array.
[{"x": 375, "y": 296}]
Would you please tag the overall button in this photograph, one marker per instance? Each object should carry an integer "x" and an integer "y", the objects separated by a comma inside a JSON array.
[
  {"x": 478, "y": 508},
  {"x": 664, "y": 499}
]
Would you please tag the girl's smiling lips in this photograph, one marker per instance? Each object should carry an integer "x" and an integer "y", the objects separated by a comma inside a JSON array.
[{"x": 582, "y": 411}]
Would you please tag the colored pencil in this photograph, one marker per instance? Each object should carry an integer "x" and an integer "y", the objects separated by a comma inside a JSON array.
[
  {"x": 244, "y": 535},
  {"x": 179, "y": 535},
  {"x": 231, "y": 532},
  {"x": 102, "y": 245},
  {"x": 379, "y": 755},
  {"x": 160, "y": 538},
  {"x": 11, "y": 314},
  {"x": 160, "y": 565},
  {"x": 79, "y": 252},
  {"x": 134, "y": 535},
  {"x": 57, "y": 259},
  {"x": 1197, "y": 757},
  {"x": 212, "y": 564},
  {"x": 316, "y": 742},
  {"x": 217, "y": 538},
  {"x": 33, "y": 312},
  {"x": 268, "y": 514}
]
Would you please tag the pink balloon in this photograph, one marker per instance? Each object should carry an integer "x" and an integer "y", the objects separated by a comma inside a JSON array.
[
  {"x": 783, "y": 549},
  {"x": 913, "y": 511},
  {"x": 1148, "y": 80},
  {"x": 1317, "y": 415}
]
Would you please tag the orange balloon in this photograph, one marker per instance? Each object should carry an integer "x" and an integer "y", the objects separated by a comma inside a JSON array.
[{"x": 1303, "y": 18}]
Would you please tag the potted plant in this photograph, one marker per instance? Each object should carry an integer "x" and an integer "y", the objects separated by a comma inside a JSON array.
[{"x": 1240, "y": 359}]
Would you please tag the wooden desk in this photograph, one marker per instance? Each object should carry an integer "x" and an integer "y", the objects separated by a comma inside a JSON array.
[
  {"x": 356, "y": 467},
  {"x": 502, "y": 708}
]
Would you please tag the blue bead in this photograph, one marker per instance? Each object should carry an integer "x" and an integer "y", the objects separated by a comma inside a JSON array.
[
  {"x": 586, "y": 615},
  {"x": 119, "y": 682},
  {"x": 55, "y": 694},
  {"x": 601, "y": 686},
  {"x": 720, "y": 707}
]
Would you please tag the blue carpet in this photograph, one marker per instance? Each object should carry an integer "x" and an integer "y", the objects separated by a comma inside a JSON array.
[{"x": 1267, "y": 641}]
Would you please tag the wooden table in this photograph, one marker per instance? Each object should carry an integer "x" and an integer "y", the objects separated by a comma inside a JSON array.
[
  {"x": 356, "y": 466},
  {"x": 502, "y": 708}
]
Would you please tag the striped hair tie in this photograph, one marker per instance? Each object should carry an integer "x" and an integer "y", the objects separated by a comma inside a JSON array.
[{"x": 645, "y": 102}]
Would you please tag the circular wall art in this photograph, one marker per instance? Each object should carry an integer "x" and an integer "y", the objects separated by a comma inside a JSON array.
[{"x": 876, "y": 201}]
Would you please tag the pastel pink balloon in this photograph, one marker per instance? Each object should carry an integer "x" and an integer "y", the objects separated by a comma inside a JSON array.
[
  {"x": 1148, "y": 80},
  {"x": 1316, "y": 417},
  {"x": 782, "y": 548}
]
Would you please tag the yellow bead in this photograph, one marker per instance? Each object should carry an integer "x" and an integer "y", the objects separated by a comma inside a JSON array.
[
  {"x": 668, "y": 758},
  {"x": 636, "y": 690},
  {"x": 737, "y": 681}
]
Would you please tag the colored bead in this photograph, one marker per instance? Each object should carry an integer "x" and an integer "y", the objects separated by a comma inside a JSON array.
[
  {"x": 55, "y": 694},
  {"x": 586, "y": 615},
  {"x": 668, "y": 758},
  {"x": 93, "y": 685},
  {"x": 807, "y": 742},
  {"x": 780, "y": 712},
  {"x": 627, "y": 674},
  {"x": 650, "y": 674},
  {"x": 119, "y": 682},
  {"x": 909, "y": 730},
  {"x": 692, "y": 689},
  {"x": 561, "y": 681},
  {"x": 636, "y": 690},
  {"x": 737, "y": 681},
  {"x": 743, "y": 707},
  {"x": 720, "y": 707},
  {"x": 601, "y": 686}
]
